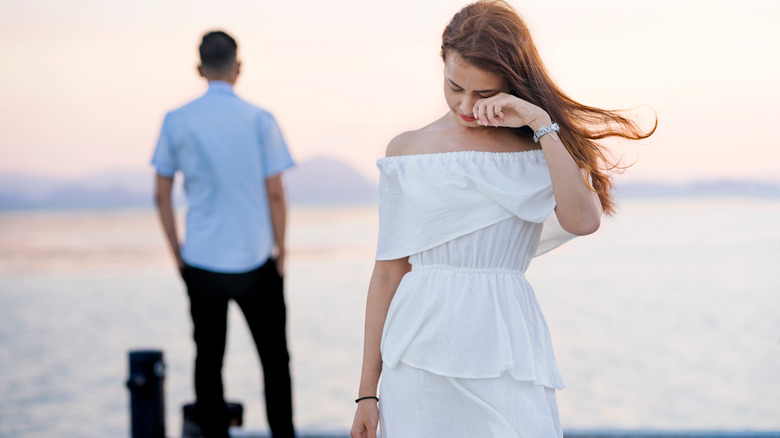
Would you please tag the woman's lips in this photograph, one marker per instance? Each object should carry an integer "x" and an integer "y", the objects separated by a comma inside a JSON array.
[{"x": 467, "y": 118}]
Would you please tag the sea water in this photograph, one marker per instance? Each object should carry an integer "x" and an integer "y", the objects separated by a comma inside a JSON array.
[{"x": 667, "y": 318}]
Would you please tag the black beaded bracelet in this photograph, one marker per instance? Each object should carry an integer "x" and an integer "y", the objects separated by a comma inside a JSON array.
[{"x": 366, "y": 398}]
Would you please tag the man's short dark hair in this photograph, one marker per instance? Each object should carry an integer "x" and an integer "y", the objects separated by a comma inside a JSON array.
[{"x": 217, "y": 50}]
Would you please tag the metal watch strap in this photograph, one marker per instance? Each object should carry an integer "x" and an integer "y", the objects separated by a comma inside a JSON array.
[{"x": 545, "y": 130}]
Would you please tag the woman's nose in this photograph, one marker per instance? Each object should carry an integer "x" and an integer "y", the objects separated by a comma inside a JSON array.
[{"x": 467, "y": 105}]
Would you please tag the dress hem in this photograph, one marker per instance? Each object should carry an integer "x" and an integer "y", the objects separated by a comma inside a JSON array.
[{"x": 508, "y": 371}]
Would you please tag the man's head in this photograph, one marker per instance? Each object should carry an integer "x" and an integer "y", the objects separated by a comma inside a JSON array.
[{"x": 218, "y": 61}]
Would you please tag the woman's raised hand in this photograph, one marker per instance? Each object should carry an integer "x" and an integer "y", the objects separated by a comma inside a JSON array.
[
  {"x": 366, "y": 420},
  {"x": 506, "y": 110}
]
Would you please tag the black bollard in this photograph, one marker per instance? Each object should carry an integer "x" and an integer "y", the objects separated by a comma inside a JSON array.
[{"x": 147, "y": 407}]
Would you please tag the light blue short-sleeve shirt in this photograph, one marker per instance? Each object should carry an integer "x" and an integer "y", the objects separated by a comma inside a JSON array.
[{"x": 225, "y": 148}]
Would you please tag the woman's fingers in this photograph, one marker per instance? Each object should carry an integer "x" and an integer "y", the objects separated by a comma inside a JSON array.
[
  {"x": 366, "y": 422},
  {"x": 490, "y": 111},
  {"x": 505, "y": 110},
  {"x": 361, "y": 432},
  {"x": 490, "y": 114},
  {"x": 497, "y": 115},
  {"x": 479, "y": 112}
]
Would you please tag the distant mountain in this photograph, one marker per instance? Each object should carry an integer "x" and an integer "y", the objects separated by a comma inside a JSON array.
[
  {"x": 110, "y": 189},
  {"x": 319, "y": 181},
  {"x": 328, "y": 181},
  {"x": 315, "y": 181}
]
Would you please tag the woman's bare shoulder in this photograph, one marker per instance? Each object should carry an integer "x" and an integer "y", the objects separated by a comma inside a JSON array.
[
  {"x": 418, "y": 141},
  {"x": 403, "y": 144}
]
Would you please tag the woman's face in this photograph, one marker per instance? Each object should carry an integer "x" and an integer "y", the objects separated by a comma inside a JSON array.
[{"x": 465, "y": 84}]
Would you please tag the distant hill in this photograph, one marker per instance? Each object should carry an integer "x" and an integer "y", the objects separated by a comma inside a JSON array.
[
  {"x": 314, "y": 181},
  {"x": 105, "y": 190},
  {"x": 328, "y": 181}
]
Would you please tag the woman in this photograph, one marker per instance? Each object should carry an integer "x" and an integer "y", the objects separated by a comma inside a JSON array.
[{"x": 452, "y": 325}]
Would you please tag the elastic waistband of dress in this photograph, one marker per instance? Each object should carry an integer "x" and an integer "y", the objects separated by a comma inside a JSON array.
[{"x": 464, "y": 270}]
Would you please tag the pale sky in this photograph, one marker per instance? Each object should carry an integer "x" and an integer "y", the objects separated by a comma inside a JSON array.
[{"x": 86, "y": 83}]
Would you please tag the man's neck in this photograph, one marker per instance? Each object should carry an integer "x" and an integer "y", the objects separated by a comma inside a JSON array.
[{"x": 225, "y": 80}]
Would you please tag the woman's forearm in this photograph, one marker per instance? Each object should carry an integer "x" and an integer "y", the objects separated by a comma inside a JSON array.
[
  {"x": 577, "y": 206},
  {"x": 384, "y": 282}
]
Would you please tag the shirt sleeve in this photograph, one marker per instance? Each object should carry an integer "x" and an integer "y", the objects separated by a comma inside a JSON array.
[
  {"x": 276, "y": 156},
  {"x": 164, "y": 158}
]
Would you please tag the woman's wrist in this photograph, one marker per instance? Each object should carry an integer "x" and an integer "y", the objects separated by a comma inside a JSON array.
[
  {"x": 367, "y": 392},
  {"x": 539, "y": 121}
]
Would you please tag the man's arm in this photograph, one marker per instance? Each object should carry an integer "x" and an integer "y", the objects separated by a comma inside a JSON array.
[
  {"x": 278, "y": 206},
  {"x": 163, "y": 189}
]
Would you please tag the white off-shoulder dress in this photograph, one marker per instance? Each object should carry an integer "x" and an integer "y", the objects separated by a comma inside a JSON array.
[{"x": 465, "y": 349}]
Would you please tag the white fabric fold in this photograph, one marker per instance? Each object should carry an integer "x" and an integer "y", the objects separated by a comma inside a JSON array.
[
  {"x": 467, "y": 325},
  {"x": 428, "y": 199}
]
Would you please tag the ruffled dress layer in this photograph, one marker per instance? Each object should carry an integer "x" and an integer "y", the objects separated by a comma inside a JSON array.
[{"x": 466, "y": 351}]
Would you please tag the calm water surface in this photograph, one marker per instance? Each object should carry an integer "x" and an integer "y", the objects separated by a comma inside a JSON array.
[{"x": 666, "y": 318}]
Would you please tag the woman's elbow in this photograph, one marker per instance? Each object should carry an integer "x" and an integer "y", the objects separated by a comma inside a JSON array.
[
  {"x": 583, "y": 225},
  {"x": 589, "y": 227}
]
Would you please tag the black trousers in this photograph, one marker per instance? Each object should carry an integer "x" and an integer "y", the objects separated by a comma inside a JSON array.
[{"x": 260, "y": 295}]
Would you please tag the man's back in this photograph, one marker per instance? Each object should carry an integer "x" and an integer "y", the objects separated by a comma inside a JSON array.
[{"x": 225, "y": 148}]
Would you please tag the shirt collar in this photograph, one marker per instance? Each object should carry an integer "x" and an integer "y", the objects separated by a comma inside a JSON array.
[{"x": 220, "y": 87}]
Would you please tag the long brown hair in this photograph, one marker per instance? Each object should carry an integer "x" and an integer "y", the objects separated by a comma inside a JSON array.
[{"x": 491, "y": 36}]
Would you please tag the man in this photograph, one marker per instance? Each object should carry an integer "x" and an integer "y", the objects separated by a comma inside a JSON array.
[{"x": 231, "y": 155}]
